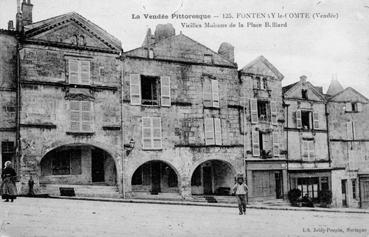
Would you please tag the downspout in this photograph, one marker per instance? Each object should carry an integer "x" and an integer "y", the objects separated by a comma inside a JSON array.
[
  {"x": 287, "y": 153},
  {"x": 121, "y": 126},
  {"x": 328, "y": 142},
  {"x": 18, "y": 152}
]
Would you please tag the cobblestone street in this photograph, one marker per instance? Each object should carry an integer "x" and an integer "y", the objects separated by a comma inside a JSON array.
[{"x": 56, "y": 217}]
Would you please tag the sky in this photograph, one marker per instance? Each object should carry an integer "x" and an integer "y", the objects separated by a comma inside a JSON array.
[{"x": 318, "y": 48}]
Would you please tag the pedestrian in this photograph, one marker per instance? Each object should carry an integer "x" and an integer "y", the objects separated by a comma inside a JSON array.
[
  {"x": 8, "y": 189},
  {"x": 240, "y": 190}
]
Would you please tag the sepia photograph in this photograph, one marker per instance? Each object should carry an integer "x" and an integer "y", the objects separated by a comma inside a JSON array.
[{"x": 184, "y": 118}]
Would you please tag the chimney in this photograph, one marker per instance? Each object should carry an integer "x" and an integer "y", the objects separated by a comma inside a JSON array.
[
  {"x": 303, "y": 79},
  {"x": 27, "y": 12},
  {"x": 149, "y": 39},
  {"x": 227, "y": 51},
  {"x": 18, "y": 18},
  {"x": 164, "y": 31},
  {"x": 10, "y": 25}
]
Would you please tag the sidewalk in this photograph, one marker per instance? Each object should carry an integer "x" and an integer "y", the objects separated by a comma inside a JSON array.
[{"x": 226, "y": 205}]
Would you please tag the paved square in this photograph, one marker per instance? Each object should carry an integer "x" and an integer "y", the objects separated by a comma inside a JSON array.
[{"x": 56, "y": 217}]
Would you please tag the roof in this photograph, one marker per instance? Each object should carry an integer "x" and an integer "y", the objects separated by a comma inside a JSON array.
[
  {"x": 286, "y": 88},
  {"x": 334, "y": 87},
  {"x": 262, "y": 66},
  {"x": 180, "y": 48},
  {"x": 50, "y": 23},
  {"x": 350, "y": 92},
  {"x": 289, "y": 91}
]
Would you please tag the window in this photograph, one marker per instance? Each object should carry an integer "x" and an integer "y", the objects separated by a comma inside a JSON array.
[
  {"x": 255, "y": 143},
  {"x": 304, "y": 94},
  {"x": 309, "y": 186},
  {"x": 261, "y": 83},
  {"x": 213, "y": 131},
  {"x": 150, "y": 90},
  {"x": 79, "y": 71},
  {"x": 7, "y": 151},
  {"x": 353, "y": 182},
  {"x": 211, "y": 93},
  {"x": 66, "y": 162},
  {"x": 81, "y": 116},
  {"x": 307, "y": 120},
  {"x": 353, "y": 107},
  {"x": 208, "y": 58},
  {"x": 151, "y": 53},
  {"x": 263, "y": 110},
  {"x": 151, "y": 133},
  {"x": 308, "y": 150}
]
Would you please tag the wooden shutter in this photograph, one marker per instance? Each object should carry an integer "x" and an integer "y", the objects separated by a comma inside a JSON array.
[
  {"x": 275, "y": 144},
  {"x": 353, "y": 130},
  {"x": 156, "y": 133},
  {"x": 84, "y": 72},
  {"x": 165, "y": 91},
  {"x": 255, "y": 143},
  {"x": 311, "y": 150},
  {"x": 75, "y": 116},
  {"x": 146, "y": 133},
  {"x": 207, "y": 93},
  {"x": 298, "y": 119},
  {"x": 209, "y": 131},
  {"x": 348, "y": 107},
  {"x": 135, "y": 89},
  {"x": 273, "y": 111},
  {"x": 86, "y": 118},
  {"x": 215, "y": 93},
  {"x": 73, "y": 71},
  {"x": 254, "y": 110},
  {"x": 316, "y": 120},
  {"x": 359, "y": 107},
  {"x": 218, "y": 131},
  {"x": 349, "y": 130}
]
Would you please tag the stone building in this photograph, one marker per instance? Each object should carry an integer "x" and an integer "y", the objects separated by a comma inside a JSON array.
[
  {"x": 8, "y": 94},
  {"x": 262, "y": 119},
  {"x": 349, "y": 145},
  {"x": 181, "y": 117},
  {"x": 306, "y": 135},
  {"x": 69, "y": 109}
]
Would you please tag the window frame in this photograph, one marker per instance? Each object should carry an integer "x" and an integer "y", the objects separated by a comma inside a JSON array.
[
  {"x": 79, "y": 71},
  {"x": 152, "y": 131},
  {"x": 82, "y": 115}
]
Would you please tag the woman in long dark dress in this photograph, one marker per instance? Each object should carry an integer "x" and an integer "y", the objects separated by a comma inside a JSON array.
[{"x": 8, "y": 189}]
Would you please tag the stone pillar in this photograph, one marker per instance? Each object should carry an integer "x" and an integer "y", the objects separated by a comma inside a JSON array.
[
  {"x": 185, "y": 187},
  {"x": 286, "y": 188},
  {"x": 249, "y": 184}
]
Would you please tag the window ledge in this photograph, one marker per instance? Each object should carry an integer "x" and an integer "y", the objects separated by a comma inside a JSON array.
[
  {"x": 212, "y": 108},
  {"x": 152, "y": 149},
  {"x": 80, "y": 133},
  {"x": 39, "y": 125},
  {"x": 111, "y": 127}
]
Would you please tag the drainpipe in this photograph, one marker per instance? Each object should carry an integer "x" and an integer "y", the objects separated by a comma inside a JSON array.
[
  {"x": 17, "y": 114},
  {"x": 287, "y": 153},
  {"x": 121, "y": 127},
  {"x": 328, "y": 142}
]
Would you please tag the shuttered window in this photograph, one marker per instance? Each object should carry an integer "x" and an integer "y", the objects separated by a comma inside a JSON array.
[
  {"x": 308, "y": 150},
  {"x": 273, "y": 111},
  {"x": 209, "y": 131},
  {"x": 217, "y": 131},
  {"x": 298, "y": 119},
  {"x": 316, "y": 120},
  {"x": 165, "y": 91},
  {"x": 81, "y": 116},
  {"x": 151, "y": 133},
  {"x": 79, "y": 72},
  {"x": 211, "y": 93},
  {"x": 275, "y": 144},
  {"x": 254, "y": 110},
  {"x": 135, "y": 89},
  {"x": 255, "y": 143},
  {"x": 348, "y": 107}
]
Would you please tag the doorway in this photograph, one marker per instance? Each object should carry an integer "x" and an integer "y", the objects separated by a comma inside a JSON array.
[
  {"x": 155, "y": 178},
  {"x": 97, "y": 166},
  {"x": 278, "y": 185},
  {"x": 344, "y": 192},
  {"x": 207, "y": 180}
]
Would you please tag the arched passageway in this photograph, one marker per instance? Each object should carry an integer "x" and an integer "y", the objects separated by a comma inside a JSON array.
[
  {"x": 213, "y": 177},
  {"x": 155, "y": 177},
  {"x": 78, "y": 164}
]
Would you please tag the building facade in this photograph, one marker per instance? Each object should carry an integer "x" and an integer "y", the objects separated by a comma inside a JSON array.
[
  {"x": 349, "y": 142},
  {"x": 180, "y": 103},
  {"x": 306, "y": 135},
  {"x": 262, "y": 120}
]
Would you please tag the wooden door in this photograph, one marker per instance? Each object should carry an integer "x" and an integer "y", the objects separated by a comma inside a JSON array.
[
  {"x": 207, "y": 180},
  {"x": 97, "y": 166},
  {"x": 264, "y": 184},
  {"x": 344, "y": 192},
  {"x": 155, "y": 177},
  {"x": 364, "y": 191}
]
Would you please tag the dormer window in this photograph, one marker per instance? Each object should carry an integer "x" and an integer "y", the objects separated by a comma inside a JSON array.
[
  {"x": 261, "y": 83},
  {"x": 304, "y": 94},
  {"x": 151, "y": 53},
  {"x": 353, "y": 107}
]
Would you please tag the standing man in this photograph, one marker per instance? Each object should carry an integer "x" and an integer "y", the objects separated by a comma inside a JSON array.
[{"x": 240, "y": 190}]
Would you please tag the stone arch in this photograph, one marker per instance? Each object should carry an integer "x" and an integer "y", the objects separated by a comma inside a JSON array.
[
  {"x": 78, "y": 163},
  {"x": 155, "y": 176},
  {"x": 212, "y": 176}
]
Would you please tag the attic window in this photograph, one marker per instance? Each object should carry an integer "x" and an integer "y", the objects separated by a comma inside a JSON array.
[
  {"x": 304, "y": 94},
  {"x": 208, "y": 58},
  {"x": 151, "y": 53}
]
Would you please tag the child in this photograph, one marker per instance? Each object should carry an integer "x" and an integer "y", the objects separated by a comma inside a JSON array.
[{"x": 240, "y": 189}]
